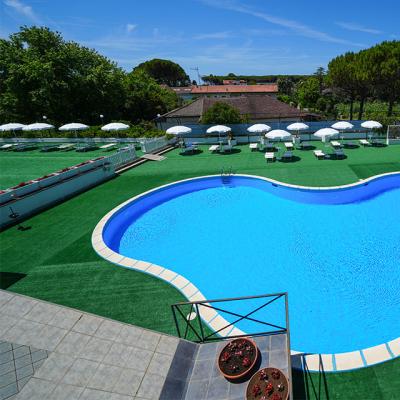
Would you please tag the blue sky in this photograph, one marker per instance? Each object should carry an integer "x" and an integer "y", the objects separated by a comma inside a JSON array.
[{"x": 217, "y": 36}]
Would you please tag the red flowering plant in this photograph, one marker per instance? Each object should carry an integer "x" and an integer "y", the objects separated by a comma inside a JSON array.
[
  {"x": 256, "y": 390},
  {"x": 269, "y": 388},
  {"x": 276, "y": 374},
  {"x": 276, "y": 396}
]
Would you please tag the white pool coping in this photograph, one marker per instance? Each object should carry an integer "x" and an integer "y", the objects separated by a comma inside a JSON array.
[{"x": 313, "y": 362}]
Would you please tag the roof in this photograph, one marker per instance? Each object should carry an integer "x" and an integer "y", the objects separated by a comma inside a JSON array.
[
  {"x": 267, "y": 88},
  {"x": 256, "y": 106}
]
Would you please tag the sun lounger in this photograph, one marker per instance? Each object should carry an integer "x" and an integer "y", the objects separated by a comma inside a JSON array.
[
  {"x": 214, "y": 147},
  {"x": 269, "y": 156},
  {"x": 289, "y": 145},
  {"x": 108, "y": 147},
  {"x": 305, "y": 145},
  {"x": 7, "y": 146},
  {"x": 189, "y": 148},
  {"x": 339, "y": 153},
  {"x": 253, "y": 146},
  {"x": 335, "y": 143},
  {"x": 377, "y": 143},
  {"x": 287, "y": 156},
  {"x": 25, "y": 146},
  {"x": 365, "y": 142},
  {"x": 48, "y": 148},
  {"x": 350, "y": 145},
  {"x": 86, "y": 147},
  {"x": 66, "y": 147},
  {"x": 269, "y": 146},
  {"x": 319, "y": 154}
]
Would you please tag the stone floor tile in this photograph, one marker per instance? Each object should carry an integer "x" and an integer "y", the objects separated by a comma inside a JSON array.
[
  {"x": 129, "y": 335},
  {"x": 21, "y": 351},
  {"x": 24, "y": 371},
  {"x": 42, "y": 312},
  {"x": 24, "y": 331},
  {"x": 218, "y": 388},
  {"x": 66, "y": 392},
  {"x": 65, "y": 318},
  {"x": 55, "y": 367},
  {"x": 118, "y": 355},
  {"x": 80, "y": 372},
  {"x": 38, "y": 355},
  {"x": 105, "y": 377},
  {"x": 151, "y": 386},
  {"x": 148, "y": 340},
  {"x": 87, "y": 324},
  {"x": 129, "y": 382},
  {"x": 22, "y": 382},
  {"x": 73, "y": 343},
  {"x": 38, "y": 364},
  {"x": 96, "y": 349},
  {"x": 6, "y": 322},
  {"x": 18, "y": 306},
  {"x": 201, "y": 370},
  {"x": 6, "y": 367},
  {"x": 160, "y": 364},
  {"x": 93, "y": 394},
  {"x": 108, "y": 330},
  {"x": 36, "y": 389},
  {"x": 167, "y": 345},
  {"x": 197, "y": 390},
  {"x": 5, "y": 297},
  {"x": 23, "y": 361},
  {"x": 139, "y": 359},
  {"x": 6, "y": 357},
  {"x": 207, "y": 351},
  {"x": 9, "y": 390},
  {"x": 4, "y": 347},
  {"x": 8, "y": 378},
  {"x": 50, "y": 337}
]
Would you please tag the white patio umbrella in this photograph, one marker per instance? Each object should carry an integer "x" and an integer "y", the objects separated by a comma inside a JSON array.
[
  {"x": 259, "y": 128},
  {"x": 371, "y": 125},
  {"x": 278, "y": 134},
  {"x": 74, "y": 126},
  {"x": 13, "y": 126},
  {"x": 220, "y": 129},
  {"x": 178, "y": 130},
  {"x": 297, "y": 126},
  {"x": 115, "y": 126},
  {"x": 342, "y": 125},
  {"x": 38, "y": 126},
  {"x": 326, "y": 133}
]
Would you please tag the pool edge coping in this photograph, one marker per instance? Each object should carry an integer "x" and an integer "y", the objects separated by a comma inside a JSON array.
[{"x": 335, "y": 362}]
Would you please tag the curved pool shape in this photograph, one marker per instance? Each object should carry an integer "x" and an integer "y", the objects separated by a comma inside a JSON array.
[{"x": 336, "y": 252}]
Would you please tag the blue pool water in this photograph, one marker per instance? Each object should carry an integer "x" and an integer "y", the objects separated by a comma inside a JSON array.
[{"x": 337, "y": 253}]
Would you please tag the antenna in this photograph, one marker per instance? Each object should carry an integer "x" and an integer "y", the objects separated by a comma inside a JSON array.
[{"x": 198, "y": 74}]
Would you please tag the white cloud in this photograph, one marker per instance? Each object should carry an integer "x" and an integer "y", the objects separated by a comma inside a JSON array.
[
  {"x": 213, "y": 35},
  {"x": 294, "y": 26},
  {"x": 352, "y": 26},
  {"x": 22, "y": 9},
  {"x": 130, "y": 27}
]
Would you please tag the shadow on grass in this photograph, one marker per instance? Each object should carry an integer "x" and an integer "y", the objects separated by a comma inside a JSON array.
[
  {"x": 307, "y": 385},
  {"x": 191, "y": 153},
  {"x": 8, "y": 279},
  {"x": 289, "y": 160},
  {"x": 233, "y": 151},
  {"x": 306, "y": 148}
]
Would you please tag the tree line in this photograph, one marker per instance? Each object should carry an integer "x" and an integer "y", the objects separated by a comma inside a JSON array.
[
  {"x": 371, "y": 75},
  {"x": 43, "y": 74}
]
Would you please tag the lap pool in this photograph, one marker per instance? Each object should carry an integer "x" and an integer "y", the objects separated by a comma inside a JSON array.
[{"x": 336, "y": 252}]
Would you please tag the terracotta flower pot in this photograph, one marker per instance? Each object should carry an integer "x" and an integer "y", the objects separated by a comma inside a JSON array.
[
  {"x": 268, "y": 383},
  {"x": 237, "y": 358}
]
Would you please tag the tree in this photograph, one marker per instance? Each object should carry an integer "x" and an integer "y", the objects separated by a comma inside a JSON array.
[
  {"x": 165, "y": 72},
  {"x": 222, "y": 113},
  {"x": 145, "y": 98},
  {"x": 307, "y": 92},
  {"x": 40, "y": 73},
  {"x": 320, "y": 75},
  {"x": 285, "y": 85}
]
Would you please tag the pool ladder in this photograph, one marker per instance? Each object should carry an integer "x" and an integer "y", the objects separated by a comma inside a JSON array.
[{"x": 226, "y": 175}]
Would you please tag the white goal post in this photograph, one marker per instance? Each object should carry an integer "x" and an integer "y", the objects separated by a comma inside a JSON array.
[{"x": 393, "y": 134}]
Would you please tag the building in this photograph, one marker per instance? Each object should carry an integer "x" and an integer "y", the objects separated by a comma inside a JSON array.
[
  {"x": 226, "y": 90},
  {"x": 256, "y": 107}
]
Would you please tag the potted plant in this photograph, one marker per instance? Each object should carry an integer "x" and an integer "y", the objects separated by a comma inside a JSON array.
[
  {"x": 238, "y": 358},
  {"x": 268, "y": 384}
]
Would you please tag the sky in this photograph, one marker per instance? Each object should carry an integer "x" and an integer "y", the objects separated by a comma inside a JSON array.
[{"x": 215, "y": 36}]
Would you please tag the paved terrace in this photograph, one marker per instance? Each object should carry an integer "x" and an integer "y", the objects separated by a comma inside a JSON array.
[{"x": 53, "y": 352}]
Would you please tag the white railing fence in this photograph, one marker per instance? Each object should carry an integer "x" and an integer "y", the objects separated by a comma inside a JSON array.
[
  {"x": 151, "y": 145},
  {"x": 122, "y": 157}
]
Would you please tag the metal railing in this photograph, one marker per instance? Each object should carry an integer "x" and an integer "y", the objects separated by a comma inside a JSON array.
[
  {"x": 122, "y": 157},
  {"x": 195, "y": 329}
]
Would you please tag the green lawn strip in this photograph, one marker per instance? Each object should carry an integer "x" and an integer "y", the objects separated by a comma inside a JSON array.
[{"x": 376, "y": 382}]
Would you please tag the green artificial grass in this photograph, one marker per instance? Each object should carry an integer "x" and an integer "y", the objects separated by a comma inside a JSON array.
[{"x": 54, "y": 259}]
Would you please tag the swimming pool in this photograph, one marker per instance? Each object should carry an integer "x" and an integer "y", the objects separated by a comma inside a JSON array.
[{"x": 336, "y": 252}]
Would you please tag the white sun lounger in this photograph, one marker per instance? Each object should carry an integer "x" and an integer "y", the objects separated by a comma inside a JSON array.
[
  {"x": 270, "y": 156},
  {"x": 253, "y": 146},
  {"x": 109, "y": 146},
  {"x": 335, "y": 143},
  {"x": 66, "y": 147},
  {"x": 214, "y": 147},
  {"x": 365, "y": 142},
  {"x": 289, "y": 145},
  {"x": 319, "y": 154}
]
